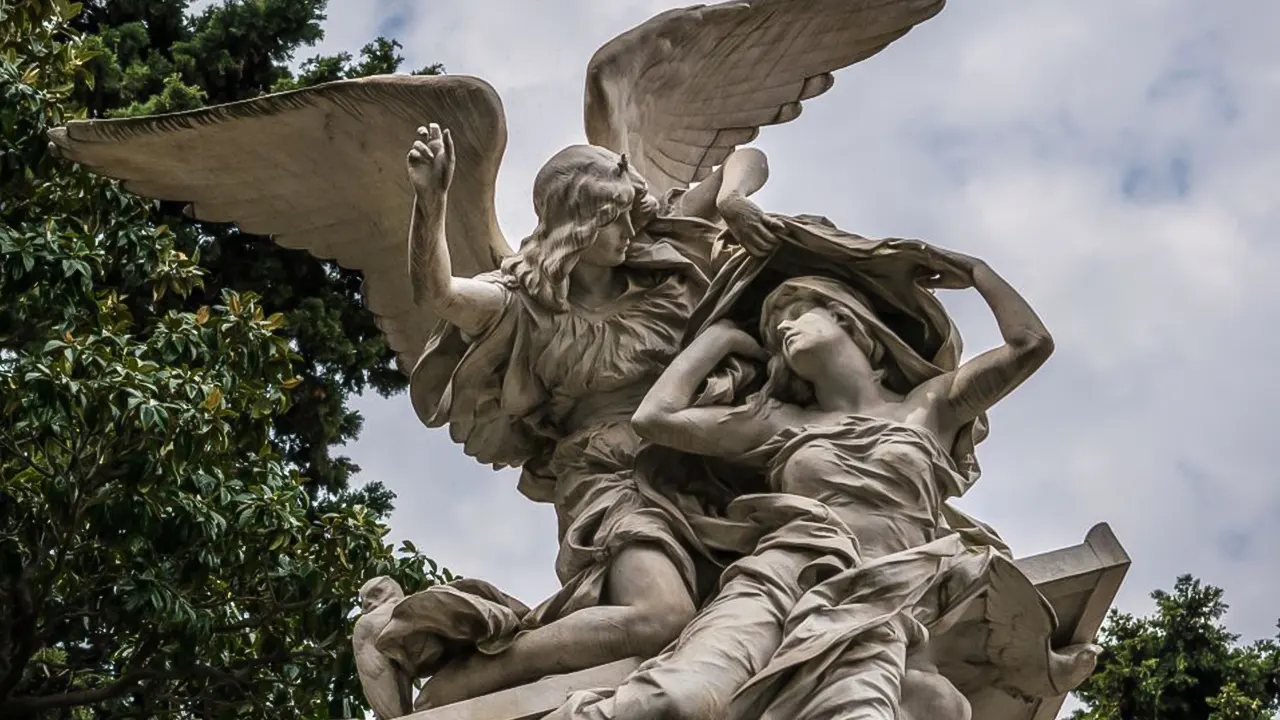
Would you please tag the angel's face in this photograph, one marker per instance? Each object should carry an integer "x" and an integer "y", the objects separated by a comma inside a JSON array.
[{"x": 610, "y": 246}]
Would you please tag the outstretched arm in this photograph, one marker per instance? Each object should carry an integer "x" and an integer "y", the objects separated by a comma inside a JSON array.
[
  {"x": 666, "y": 417},
  {"x": 465, "y": 302},
  {"x": 983, "y": 381}
]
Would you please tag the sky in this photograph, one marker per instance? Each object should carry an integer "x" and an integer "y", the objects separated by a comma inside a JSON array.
[{"x": 1116, "y": 162}]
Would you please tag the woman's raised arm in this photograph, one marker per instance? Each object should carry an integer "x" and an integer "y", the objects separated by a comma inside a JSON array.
[{"x": 977, "y": 385}]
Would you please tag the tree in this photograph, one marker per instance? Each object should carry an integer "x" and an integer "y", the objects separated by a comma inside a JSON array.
[
  {"x": 165, "y": 549},
  {"x": 1181, "y": 663},
  {"x": 152, "y": 56}
]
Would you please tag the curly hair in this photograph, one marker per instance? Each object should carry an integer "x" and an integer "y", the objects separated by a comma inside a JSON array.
[{"x": 580, "y": 190}]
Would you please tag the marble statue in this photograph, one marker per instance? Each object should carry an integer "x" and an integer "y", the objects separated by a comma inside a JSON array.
[
  {"x": 387, "y": 686},
  {"x": 848, "y": 563},
  {"x": 776, "y": 505}
]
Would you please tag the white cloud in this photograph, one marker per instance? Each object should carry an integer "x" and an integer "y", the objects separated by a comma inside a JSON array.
[{"x": 1010, "y": 131}]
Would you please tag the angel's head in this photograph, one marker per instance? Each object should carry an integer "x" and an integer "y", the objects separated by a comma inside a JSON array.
[
  {"x": 590, "y": 203},
  {"x": 813, "y": 326},
  {"x": 378, "y": 592}
]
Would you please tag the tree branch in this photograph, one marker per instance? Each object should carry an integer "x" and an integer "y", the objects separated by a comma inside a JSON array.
[
  {"x": 260, "y": 620},
  {"x": 20, "y": 706},
  {"x": 23, "y": 619}
]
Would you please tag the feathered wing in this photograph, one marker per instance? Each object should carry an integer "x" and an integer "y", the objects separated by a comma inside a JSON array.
[
  {"x": 322, "y": 169},
  {"x": 678, "y": 93}
]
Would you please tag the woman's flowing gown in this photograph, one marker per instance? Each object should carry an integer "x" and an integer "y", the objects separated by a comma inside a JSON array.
[{"x": 855, "y": 556}]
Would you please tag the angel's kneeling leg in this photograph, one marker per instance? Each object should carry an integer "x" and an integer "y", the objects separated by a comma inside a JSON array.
[{"x": 648, "y": 606}]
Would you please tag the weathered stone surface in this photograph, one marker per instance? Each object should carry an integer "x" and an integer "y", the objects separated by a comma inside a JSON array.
[
  {"x": 534, "y": 700},
  {"x": 1080, "y": 581},
  {"x": 653, "y": 290}
]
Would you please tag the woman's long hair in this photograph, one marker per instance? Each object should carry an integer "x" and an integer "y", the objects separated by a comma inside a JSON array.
[{"x": 580, "y": 190}]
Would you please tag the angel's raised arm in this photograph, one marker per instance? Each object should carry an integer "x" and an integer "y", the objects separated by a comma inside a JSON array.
[
  {"x": 742, "y": 174},
  {"x": 322, "y": 170},
  {"x": 467, "y": 303}
]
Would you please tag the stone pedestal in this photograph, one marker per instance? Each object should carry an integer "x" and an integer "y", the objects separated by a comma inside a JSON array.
[{"x": 1081, "y": 582}]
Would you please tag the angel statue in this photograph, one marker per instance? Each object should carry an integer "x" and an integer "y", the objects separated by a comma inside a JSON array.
[
  {"x": 860, "y": 593},
  {"x": 536, "y": 358}
]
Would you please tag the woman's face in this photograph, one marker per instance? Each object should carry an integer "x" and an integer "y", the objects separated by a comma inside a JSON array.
[
  {"x": 812, "y": 341},
  {"x": 611, "y": 243}
]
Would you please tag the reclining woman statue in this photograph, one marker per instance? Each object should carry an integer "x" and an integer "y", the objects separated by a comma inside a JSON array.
[{"x": 850, "y": 563}]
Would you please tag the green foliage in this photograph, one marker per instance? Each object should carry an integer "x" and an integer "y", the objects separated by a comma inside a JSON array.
[
  {"x": 1181, "y": 664},
  {"x": 152, "y": 57},
  {"x": 174, "y": 537},
  {"x": 375, "y": 58}
]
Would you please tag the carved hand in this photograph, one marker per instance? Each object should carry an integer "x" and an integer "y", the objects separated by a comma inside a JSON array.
[
  {"x": 754, "y": 230},
  {"x": 431, "y": 162},
  {"x": 952, "y": 270}
]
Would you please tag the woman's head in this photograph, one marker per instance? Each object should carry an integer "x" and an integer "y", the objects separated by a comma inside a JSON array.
[
  {"x": 590, "y": 203},
  {"x": 812, "y": 326}
]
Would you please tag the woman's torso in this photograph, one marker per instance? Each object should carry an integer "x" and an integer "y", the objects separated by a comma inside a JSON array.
[{"x": 887, "y": 480}]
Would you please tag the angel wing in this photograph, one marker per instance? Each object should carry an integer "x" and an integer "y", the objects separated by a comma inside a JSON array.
[
  {"x": 388, "y": 689},
  {"x": 678, "y": 93},
  {"x": 322, "y": 169}
]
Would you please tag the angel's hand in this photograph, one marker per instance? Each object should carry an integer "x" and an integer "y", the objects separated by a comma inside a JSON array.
[
  {"x": 751, "y": 227},
  {"x": 431, "y": 162}
]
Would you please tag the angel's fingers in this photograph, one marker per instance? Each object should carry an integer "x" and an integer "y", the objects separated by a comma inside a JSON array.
[
  {"x": 414, "y": 154},
  {"x": 448, "y": 142},
  {"x": 419, "y": 145},
  {"x": 756, "y": 240},
  {"x": 435, "y": 131},
  {"x": 422, "y": 130}
]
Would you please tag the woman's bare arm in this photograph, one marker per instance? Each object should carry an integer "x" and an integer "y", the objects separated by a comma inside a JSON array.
[
  {"x": 977, "y": 385},
  {"x": 666, "y": 417},
  {"x": 469, "y": 304}
]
